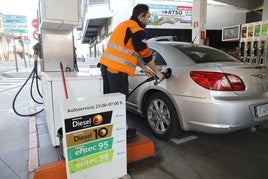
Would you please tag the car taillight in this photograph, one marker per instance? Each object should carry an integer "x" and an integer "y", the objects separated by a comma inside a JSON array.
[{"x": 218, "y": 81}]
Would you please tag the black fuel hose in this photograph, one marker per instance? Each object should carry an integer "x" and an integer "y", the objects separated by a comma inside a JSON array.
[
  {"x": 145, "y": 81},
  {"x": 34, "y": 75},
  {"x": 166, "y": 74}
]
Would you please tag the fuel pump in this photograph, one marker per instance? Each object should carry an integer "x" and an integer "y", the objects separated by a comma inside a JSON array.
[{"x": 253, "y": 43}]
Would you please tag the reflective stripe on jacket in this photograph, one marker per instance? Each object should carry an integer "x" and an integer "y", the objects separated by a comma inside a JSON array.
[{"x": 119, "y": 56}]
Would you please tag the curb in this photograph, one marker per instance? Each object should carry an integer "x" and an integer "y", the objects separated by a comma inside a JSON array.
[
  {"x": 33, "y": 153},
  {"x": 33, "y": 160}
]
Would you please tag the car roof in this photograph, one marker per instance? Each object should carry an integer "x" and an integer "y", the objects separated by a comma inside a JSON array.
[
  {"x": 171, "y": 54},
  {"x": 187, "y": 52},
  {"x": 173, "y": 43}
]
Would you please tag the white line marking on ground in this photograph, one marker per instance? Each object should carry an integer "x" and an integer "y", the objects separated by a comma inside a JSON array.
[
  {"x": 183, "y": 140},
  {"x": 11, "y": 110}
]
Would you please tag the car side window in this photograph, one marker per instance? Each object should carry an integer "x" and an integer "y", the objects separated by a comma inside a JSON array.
[
  {"x": 195, "y": 56},
  {"x": 200, "y": 57},
  {"x": 158, "y": 59}
]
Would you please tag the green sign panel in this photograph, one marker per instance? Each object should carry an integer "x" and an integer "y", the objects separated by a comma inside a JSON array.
[
  {"x": 264, "y": 30},
  {"x": 257, "y": 30},
  {"x": 15, "y": 24},
  {"x": 89, "y": 148},
  {"x": 91, "y": 161}
]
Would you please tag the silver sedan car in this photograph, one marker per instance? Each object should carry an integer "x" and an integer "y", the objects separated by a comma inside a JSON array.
[{"x": 208, "y": 91}]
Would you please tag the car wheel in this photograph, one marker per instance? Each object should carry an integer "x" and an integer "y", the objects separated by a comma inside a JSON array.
[{"x": 162, "y": 116}]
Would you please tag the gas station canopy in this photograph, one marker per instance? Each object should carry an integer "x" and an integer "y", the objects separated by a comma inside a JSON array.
[
  {"x": 92, "y": 27},
  {"x": 248, "y": 4}
]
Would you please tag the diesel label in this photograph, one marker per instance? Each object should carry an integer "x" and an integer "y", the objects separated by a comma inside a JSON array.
[{"x": 87, "y": 121}]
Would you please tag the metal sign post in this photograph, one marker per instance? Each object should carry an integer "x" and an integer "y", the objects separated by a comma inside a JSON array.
[{"x": 15, "y": 55}]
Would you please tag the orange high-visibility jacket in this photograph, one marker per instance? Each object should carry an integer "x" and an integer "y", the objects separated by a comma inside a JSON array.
[{"x": 121, "y": 57}]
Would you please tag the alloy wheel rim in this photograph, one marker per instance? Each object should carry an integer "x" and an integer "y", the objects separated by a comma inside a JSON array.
[{"x": 158, "y": 116}]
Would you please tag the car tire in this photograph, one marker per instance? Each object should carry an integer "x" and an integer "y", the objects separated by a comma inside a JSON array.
[{"x": 162, "y": 116}]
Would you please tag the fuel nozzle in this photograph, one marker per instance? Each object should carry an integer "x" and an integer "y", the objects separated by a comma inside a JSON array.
[
  {"x": 167, "y": 74},
  {"x": 37, "y": 50}
]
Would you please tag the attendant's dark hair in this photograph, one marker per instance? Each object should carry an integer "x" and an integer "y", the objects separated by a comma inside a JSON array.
[{"x": 140, "y": 8}]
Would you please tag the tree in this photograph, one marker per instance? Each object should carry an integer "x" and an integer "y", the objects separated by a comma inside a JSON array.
[
  {"x": 5, "y": 40},
  {"x": 23, "y": 52}
]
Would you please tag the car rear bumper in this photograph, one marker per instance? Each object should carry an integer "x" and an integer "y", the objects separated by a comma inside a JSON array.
[
  {"x": 219, "y": 129},
  {"x": 218, "y": 116}
]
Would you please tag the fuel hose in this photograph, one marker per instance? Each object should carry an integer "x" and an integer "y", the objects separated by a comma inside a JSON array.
[
  {"x": 166, "y": 74},
  {"x": 34, "y": 76}
]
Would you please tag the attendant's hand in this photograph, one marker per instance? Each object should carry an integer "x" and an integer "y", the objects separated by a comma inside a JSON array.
[
  {"x": 148, "y": 72},
  {"x": 160, "y": 76}
]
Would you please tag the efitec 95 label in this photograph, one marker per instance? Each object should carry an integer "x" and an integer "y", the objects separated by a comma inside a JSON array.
[{"x": 90, "y": 148}]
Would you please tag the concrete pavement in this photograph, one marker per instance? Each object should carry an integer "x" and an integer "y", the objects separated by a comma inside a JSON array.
[
  {"x": 14, "y": 137},
  {"x": 22, "y": 136},
  {"x": 238, "y": 155}
]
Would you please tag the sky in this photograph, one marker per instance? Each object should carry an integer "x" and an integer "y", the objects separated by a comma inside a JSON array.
[
  {"x": 26, "y": 8},
  {"x": 19, "y": 7}
]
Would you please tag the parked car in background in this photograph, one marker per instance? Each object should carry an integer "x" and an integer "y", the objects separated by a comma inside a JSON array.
[{"x": 209, "y": 91}]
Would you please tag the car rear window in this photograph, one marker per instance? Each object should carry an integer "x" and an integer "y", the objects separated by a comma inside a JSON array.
[{"x": 201, "y": 54}]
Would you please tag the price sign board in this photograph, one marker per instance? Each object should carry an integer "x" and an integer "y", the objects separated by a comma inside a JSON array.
[{"x": 94, "y": 136}]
